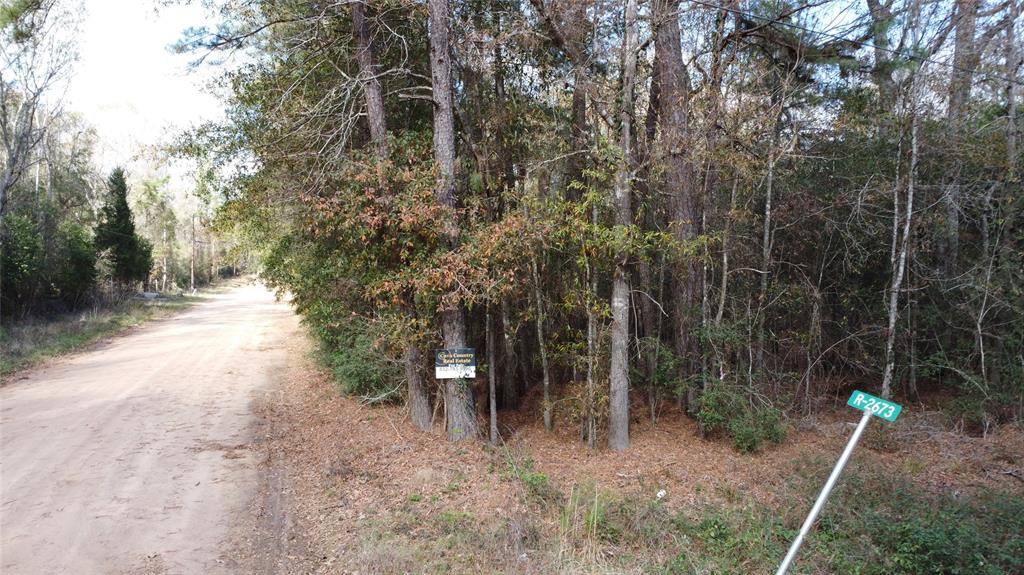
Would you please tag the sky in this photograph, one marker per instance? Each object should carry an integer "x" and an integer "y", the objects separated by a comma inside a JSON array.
[{"x": 129, "y": 85}]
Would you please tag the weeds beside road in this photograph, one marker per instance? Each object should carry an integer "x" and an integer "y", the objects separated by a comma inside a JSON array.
[
  {"x": 366, "y": 492},
  {"x": 27, "y": 343}
]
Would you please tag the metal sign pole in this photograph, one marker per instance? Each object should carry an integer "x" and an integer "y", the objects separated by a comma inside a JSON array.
[{"x": 809, "y": 522}]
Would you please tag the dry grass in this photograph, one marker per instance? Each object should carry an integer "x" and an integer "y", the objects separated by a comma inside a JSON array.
[
  {"x": 27, "y": 343},
  {"x": 371, "y": 494}
]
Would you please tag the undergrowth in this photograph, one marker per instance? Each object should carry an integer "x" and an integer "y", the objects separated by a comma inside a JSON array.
[
  {"x": 749, "y": 420},
  {"x": 356, "y": 355},
  {"x": 875, "y": 523}
]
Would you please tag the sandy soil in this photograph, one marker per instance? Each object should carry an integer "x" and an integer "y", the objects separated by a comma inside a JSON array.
[{"x": 138, "y": 456}]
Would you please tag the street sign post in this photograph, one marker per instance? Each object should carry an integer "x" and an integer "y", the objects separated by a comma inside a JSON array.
[{"x": 871, "y": 406}]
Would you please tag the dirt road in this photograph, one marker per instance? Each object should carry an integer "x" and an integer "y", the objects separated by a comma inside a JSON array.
[{"x": 136, "y": 457}]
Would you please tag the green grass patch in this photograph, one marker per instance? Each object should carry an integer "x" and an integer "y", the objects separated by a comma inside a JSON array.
[
  {"x": 537, "y": 484},
  {"x": 874, "y": 524}
]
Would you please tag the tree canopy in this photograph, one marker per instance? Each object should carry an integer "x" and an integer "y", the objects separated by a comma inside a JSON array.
[{"x": 740, "y": 208}]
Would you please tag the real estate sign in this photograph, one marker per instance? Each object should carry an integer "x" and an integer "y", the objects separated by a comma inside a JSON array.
[{"x": 455, "y": 363}]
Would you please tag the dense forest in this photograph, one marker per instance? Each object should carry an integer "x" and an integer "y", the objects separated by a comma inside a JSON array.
[{"x": 743, "y": 208}]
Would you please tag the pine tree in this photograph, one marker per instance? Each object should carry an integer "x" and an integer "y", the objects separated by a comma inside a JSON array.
[{"x": 130, "y": 255}]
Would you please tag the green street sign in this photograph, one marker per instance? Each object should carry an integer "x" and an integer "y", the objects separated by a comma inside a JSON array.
[
  {"x": 870, "y": 405},
  {"x": 887, "y": 410}
]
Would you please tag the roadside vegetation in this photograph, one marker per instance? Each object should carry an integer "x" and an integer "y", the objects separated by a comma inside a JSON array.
[
  {"x": 29, "y": 342},
  {"x": 371, "y": 494},
  {"x": 874, "y": 524}
]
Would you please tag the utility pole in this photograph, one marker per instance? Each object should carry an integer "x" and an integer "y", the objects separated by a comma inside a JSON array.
[
  {"x": 163, "y": 279},
  {"x": 192, "y": 260}
]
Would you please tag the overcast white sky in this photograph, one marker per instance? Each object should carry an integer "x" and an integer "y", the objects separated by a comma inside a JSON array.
[{"x": 129, "y": 85}]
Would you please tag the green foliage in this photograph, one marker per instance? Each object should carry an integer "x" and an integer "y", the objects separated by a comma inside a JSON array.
[
  {"x": 665, "y": 378},
  {"x": 20, "y": 19},
  {"x": 943, "y": 541},
  {"x": 22, "y": 262},
  {"x": 75, "y": 265},
  {"x": 130, "y": 256},
  {"x": 537, "y": 484},
  {"x": 970, "y": 413},
  {"x": 360, "y": 368},
  {"x": 878, "y": 523},
  {"x": 742, "y": 539},
  {"x": 747, "y": 420}
]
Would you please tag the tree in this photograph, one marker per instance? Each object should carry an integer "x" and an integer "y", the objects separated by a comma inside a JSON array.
[
  {"x": 75, "y": 263},
  {"x": 34, "y": 60},
  {"x": 22, "y": 257},
  {"x": 675, "y": 153},
  {"x": 130, "y": 255},
  {"x": 464, "y": 182},
  {"x": 459, "y": 405},
  {"x": 618, "y": 419}
]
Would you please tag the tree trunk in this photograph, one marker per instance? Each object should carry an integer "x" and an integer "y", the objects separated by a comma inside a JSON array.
[
  {"x": 578, "y": 133},
  {"x": 419, "y": 400},
  {"x": 419, "y": 397},
  {"x": 509, "y": 381},
  {"x": 673, "y": 95},
  {"x": 721, "y": 355},
  {"x": 163, "y": 266},
  {"x": 192, "y": 259},
  {"x": 492, "y": 377},
  {"x": 590, "y": 418},
  {"x": 368, "y": 78},
  {"x": 1014, "y": 60},
  {"x": 881, "y": 72},
  {"x": 900, "y": 243},
  {"x": 460, "y": 409},
  {"x": 965, "y": 60},
  {"x": 543, "y": 345},
  {"x": 618, "y": 420},
  {"x": 650, "y": 350},
  {"x": 766, "y": 254}
]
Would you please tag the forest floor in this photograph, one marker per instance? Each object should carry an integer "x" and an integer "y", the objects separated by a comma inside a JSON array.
[{"x": 349, "y": 488}]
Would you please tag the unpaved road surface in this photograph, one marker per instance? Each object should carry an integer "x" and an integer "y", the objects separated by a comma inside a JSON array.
[{"x": 137, "y": 456}]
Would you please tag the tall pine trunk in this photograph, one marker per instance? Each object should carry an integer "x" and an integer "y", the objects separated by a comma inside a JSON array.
[
  {"x": 492, "y": 377},
  {"x": 412, "y": 357},
  {"x": 674, "y": 155},
  {"x": 460, "y": 410},
  {"x": 618, "y": 420},
  {"x": 542, "y": 343},
  {"x": 368, "y": 78},
  {"x": 965, "y": 60}
]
